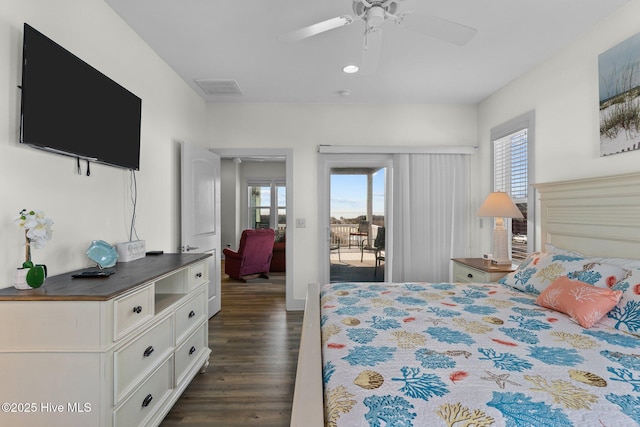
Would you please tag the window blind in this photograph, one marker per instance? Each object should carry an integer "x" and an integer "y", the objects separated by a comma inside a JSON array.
[
  {"x": 511, "y": 165},
  {"x": 511, "y": 175}
]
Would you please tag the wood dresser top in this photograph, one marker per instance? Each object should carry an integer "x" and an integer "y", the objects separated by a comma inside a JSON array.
[{"x": 127, "y": 275}]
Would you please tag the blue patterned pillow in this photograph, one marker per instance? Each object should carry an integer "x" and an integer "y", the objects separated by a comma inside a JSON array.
[
  {"x": 626, "y": 315},
  {"x": 540, "y": 269}
]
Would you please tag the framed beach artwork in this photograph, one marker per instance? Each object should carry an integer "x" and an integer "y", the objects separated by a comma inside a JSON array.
[{"x": 619, "y": 92}]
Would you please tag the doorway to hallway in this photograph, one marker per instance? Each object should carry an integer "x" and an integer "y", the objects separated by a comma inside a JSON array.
[{"x": 235, "y": 214}]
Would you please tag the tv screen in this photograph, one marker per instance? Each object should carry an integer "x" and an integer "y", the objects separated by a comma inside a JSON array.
[{"x": 71, "y": 108}]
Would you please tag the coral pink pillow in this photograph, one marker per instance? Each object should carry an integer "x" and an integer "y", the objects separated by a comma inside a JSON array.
[{"x": 585, "y": 303}]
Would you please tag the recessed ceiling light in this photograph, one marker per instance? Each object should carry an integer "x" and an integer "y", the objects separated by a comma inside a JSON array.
[{"x": 350, "y": 69}]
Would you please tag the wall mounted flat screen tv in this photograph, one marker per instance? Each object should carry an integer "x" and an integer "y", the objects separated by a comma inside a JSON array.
[{"x": 69, "y": 107}]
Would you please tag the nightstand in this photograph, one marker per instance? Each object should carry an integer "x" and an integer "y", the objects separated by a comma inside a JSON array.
[{"x": 478, "y": 270}]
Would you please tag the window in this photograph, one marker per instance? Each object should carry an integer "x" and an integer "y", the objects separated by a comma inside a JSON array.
[
  {"x": 513, "y": 173},
  {"x": 267, "y": 205}
]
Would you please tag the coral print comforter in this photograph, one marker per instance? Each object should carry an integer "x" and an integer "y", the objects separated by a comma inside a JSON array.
[{"x": 445, "y": 354}]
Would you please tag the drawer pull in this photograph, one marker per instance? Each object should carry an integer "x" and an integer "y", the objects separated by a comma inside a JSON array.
[
  {"x": 470, "y": 276},
  {"x": 137, "y": 309},
  {"x": 147, "y": 400},
  {"x": 192, "y": 350},
  {"x": 198, "y": 275},
  {"x": 148, "y": 351},
  {"x": 191, "y": 314}
]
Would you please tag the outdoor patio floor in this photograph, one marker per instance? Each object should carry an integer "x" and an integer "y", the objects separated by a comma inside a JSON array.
[{"x": 348, "y": 267}]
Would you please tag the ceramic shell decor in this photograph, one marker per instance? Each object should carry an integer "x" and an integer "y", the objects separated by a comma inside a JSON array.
[{"x": 102, "y": 254}]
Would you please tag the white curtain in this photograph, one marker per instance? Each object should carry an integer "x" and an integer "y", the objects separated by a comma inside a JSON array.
[{"x": 430, "y": 215}]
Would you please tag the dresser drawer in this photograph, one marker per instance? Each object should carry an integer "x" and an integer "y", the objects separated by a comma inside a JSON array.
[
  {"x": 478, "y": 270},
  {"x": 464, "y": 273},
  {"x": 134, "y": 361},
  {"x": 145, "y": 401},
  {"x": 198, "y": 274},
  {"x": 132, "y": 310},
  {"x": 190, "y": 351},
  {"x": 190, "y": 315}
]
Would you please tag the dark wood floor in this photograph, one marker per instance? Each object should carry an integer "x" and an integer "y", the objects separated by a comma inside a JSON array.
[{"x": 250, "y": 379}]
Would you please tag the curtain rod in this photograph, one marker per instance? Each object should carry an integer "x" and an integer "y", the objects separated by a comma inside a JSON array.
[{"x": 362, "y": 149}]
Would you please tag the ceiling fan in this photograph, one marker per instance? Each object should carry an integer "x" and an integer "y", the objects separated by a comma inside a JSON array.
[{"x": 374, "y": 13}]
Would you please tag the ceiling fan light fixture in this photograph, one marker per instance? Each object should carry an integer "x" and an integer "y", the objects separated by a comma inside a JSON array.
[
  {"x": 375, "y": 16},
  {"x": 350, "y": 69}
]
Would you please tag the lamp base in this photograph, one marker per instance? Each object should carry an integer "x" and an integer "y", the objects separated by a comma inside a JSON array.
[{"x": 500, "y": 247}]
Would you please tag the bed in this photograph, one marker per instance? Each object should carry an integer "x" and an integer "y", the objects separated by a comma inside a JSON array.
[{"x": 524, "y": 352}]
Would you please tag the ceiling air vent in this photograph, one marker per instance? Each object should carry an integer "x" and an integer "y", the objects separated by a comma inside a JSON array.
[{"x": 219, "y": 87}]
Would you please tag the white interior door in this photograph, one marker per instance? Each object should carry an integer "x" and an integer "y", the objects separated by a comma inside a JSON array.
[{"x": 200, "y": 212}]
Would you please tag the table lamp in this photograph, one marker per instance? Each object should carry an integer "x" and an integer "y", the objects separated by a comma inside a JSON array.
[{"x": 499, "y": 205}]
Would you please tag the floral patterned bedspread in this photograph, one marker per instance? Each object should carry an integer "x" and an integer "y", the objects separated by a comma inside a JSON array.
[{"x": 420, "y": 354}]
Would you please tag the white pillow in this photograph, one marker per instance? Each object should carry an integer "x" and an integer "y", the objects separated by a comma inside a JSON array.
[
  {"x": 625, "y": 316},
  {"x": 537, "y": 272},
  {"x": 626, "y": 263},
  {"x": 549, "y": 248}
]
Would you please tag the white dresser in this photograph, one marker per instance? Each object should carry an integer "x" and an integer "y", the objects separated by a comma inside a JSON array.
[{"x": 114, "y": 351}]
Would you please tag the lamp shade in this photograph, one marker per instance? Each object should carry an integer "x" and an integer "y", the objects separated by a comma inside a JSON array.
[{"x": 499, "y": 204}]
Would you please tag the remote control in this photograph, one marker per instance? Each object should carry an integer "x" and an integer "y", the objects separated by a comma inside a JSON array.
[{"x": 96, "y": 273}]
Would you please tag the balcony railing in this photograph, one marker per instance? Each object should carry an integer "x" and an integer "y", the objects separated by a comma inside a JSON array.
[{"x": 340, "y": 234}]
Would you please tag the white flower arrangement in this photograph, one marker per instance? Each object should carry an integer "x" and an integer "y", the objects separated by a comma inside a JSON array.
[{"x": 37, "y": 229}]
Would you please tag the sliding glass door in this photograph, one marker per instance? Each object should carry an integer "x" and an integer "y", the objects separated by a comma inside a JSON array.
[
  {"x": 354, "y": 199},
  {"x": 357, "y": 243}
]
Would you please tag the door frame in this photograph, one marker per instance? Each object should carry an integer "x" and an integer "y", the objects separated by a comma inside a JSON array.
[
  {"x": 326, "y": 162},
  {"x": 287, "y": 155}
]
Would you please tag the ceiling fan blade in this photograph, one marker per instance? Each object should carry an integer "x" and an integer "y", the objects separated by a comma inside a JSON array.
[
  {"x": 320, "y": 27},
  {"x": 371, "y": 51},
  {"x": 439, "y": 28}
]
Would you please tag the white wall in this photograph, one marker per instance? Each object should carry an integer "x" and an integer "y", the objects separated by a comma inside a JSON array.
[
  {"x": 229, "y": 202},
  {"x": 99, "y": 206},
  {"x": 564, "y": 94},
  {"x": 303, "y": 127}
]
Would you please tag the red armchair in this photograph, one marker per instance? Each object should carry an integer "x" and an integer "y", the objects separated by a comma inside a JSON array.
[
  {"x": 253, "y": 256},
  {"x": 279, "y": 262}
]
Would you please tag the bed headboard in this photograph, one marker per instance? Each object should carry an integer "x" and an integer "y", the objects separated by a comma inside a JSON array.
[{"x": 594, "y": 216}]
